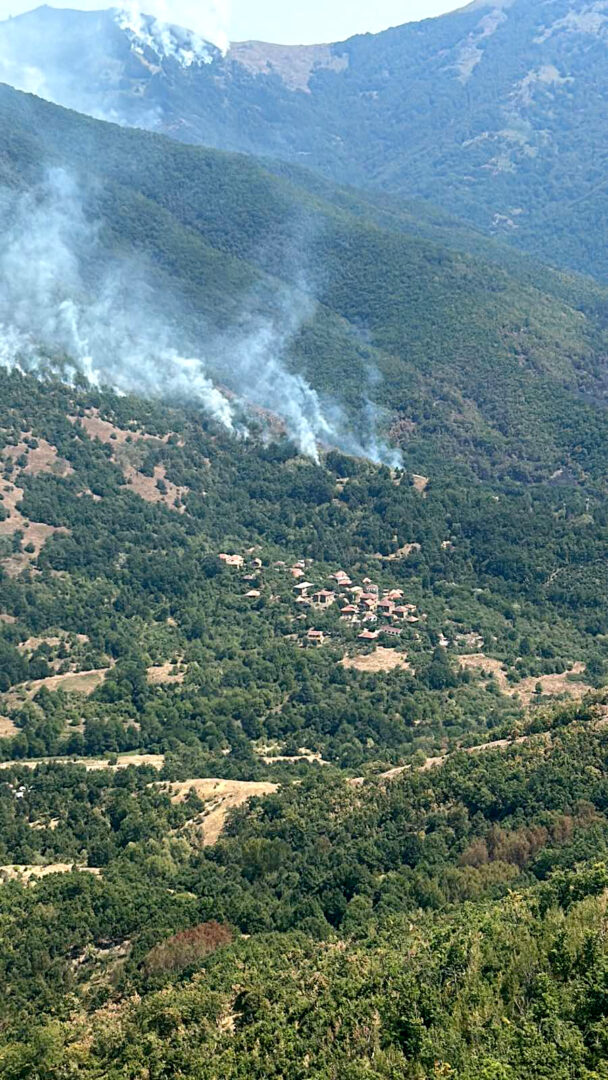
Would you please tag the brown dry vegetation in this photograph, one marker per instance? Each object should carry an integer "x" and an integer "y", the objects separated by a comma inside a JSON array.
[
  {"x": 29, "y": 874},
  {"x": 382, "y": 659},
  {"x": 7, "y": 728},
  {"x": 44, "y": 458},
  {"x": 123, "y": 761},
  {"x": 420, "y": 483},
  {"x": 34, "y": 533},
  {"x": 222, "y": 796},
  {"x": 147, "y": 487},
  {"x": 123, "y": 442},
  {"x": 165, "y": 675},
  {"x": 294, "y": 66},
  {"x": 552, "y": 685}
]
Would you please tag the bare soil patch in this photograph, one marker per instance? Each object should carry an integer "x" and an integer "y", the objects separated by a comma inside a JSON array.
[
  {"x": 222, "y": 796},
  {"x": 382, "y": 659}
]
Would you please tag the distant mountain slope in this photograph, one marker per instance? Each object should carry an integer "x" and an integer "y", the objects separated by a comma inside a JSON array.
[
  {"x": 495, "y": 112},
  {"x": 500, "y": 371}
]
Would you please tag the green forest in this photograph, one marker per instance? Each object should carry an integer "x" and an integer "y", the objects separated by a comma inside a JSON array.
[
  {"x": 416, "y": 885},
  {"x": 303, "y": 759}
]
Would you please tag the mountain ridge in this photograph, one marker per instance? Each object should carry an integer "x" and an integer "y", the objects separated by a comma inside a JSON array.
[{"x": 472, "y": 110}]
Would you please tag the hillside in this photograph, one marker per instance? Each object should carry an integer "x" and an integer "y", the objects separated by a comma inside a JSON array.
[
  {"x": 209, "y": 255},
  {"x": 303, "y": 628},
  {"x": 473, "y": 111}
]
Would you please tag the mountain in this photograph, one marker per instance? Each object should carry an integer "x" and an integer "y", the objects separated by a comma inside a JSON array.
[
  {"x": 212, "y": 255},
  {"x": 474, "y": 110},
  {"x": 303, "y": 626}
]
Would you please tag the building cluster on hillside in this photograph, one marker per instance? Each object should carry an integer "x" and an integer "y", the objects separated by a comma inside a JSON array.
[{"x": 374, "y": 611}]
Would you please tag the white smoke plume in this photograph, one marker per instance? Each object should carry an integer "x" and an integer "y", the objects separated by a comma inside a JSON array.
[
  {"x": 113, "y": 338},
  {"x": 61, "y": 304},
  {"x": 180, "y": 30}
]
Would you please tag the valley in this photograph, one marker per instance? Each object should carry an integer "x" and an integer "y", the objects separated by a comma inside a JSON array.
[{"x": 303, "y": 550}]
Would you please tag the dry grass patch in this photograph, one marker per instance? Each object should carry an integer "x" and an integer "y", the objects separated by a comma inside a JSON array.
[
  {"x": 7, "y": 728},
  {"x": 420, "y": 483},
  {"x": 165, "y": 675},
  {"x": 43, "y": 459},
  {"x": 28, "y": 874},
  {"x": 222, "y": 796},
  {"x": 123, "y": 761},
  {"x": 551, "y": 685},
  {"x": 35, "y": 534},
  {"x": 147, "y": 487},
  {"x": 294, "y": 66},
  {"x": 382, "y": 659},
  {"x": 82, "y": 682},
  {"x": 403, "y": 553}
]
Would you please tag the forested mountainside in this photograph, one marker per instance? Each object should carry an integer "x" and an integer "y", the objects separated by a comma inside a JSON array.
[
  {"x": 474, "y": 110},
  {"x": 504, "y": 370},
  {"x": 303, "y": 628},
  {"x": 287, "y": 787}
]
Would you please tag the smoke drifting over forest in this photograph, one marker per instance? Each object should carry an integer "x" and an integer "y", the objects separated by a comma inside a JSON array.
[{"x": 66, "y": 306}]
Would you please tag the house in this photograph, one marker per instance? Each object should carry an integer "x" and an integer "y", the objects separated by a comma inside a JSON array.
[
  {"x": 370, "y": 617},
  {"x": 386, "y": 607},
  {"x": 372, "y": 589},
  {"x": 392, "y": 631},
  {"x": 324, "y": 598},
  {"x": 232, "y": 560},
  {"x": 303, "y": 586},
  {"x": 342, "y": 579},
  {"x": 395, "y": 594},
  {"x": 369, "y": 635},
  {"x": 349, "y": 609},
  {"x": 315, "y": 637},
  {"x": 296, "y": 572},
  {"x": 258, "y": 564}
]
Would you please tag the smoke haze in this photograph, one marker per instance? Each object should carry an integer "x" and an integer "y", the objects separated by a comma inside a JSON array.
[{"x": 64, "y": 305}]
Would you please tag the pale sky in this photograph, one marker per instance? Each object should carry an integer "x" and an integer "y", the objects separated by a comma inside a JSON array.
[
  {"x": 282, "y": 21},
  {"x": 326, "y": 20}
]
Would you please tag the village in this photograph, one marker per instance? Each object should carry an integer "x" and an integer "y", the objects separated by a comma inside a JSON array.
[{"x": 377, "y": 613}]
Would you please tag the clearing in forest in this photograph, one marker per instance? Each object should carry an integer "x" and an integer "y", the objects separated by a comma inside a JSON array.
[
  {"x": 29, "y": 873},
  {"x": 123, "y": 761},
  {"x": 165, "y": 675},
  {"x": 222, "y": 796},
  {"x": 382, "y": 659},
  {"x": 552, "y": 685}
]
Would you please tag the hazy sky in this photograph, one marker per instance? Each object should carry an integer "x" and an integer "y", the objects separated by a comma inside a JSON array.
[
  {"x": 268, "y": 20},
  {"x": 326, "y": 20}
]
